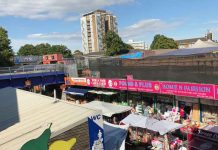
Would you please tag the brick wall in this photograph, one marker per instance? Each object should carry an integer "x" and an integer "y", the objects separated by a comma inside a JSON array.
[{"x": 80, "y": 132}]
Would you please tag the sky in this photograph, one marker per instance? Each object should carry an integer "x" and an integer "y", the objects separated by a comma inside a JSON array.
[{"x": 58, "y": 21}]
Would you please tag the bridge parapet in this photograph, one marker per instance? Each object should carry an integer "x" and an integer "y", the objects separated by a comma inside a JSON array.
[{"x": 31, "y": 69}]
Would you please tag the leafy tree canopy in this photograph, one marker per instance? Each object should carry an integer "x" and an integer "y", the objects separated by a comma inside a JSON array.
[
  {"x": 163, "y": 42},
  {"x": 6, "y": 52},
  {"x": 114, "y": 44},
  {"x": 43, "y": 49},
  {"x": 77, "y": 52}
]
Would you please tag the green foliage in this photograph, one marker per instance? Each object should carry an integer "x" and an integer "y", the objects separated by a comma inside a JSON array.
[
  {"x": 6, "y": 52},
  {"x": 163, "y": 42},
  {"x": 43, "y": 49},
  {"x": 114, "y": 44},
  {"x": 77, "y": 52},
  {"x": 27, "y": 49}
]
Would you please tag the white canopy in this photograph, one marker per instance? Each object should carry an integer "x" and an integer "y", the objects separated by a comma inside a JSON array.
[
  {"x": 108, "y": 109},
  {"x": 132, "y": 119},
  {"x": 162, "y": 126},
  {"x": 146, "y": 123},
  {"x": 165, "y": 126}
]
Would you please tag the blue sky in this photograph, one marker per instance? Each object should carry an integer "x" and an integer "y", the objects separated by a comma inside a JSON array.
[{"x": 57, "y": 22}]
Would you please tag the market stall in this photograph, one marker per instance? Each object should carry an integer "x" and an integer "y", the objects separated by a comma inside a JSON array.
[
  {"x": 106, "y": 96},
  {"x": 111, "y": 112},
  {"x": 76, "y": 95},
  {"x": 147, "y": 131}
]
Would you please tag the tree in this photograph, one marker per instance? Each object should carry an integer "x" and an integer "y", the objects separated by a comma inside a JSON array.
[
  {"x": 43, "y": 49},
  {"x": 27, "y": 49},
  {"x": 6, "y": 52},
  {"x": 114, "y": 44},
  {"x": 61, "y": 49},
  {"x": 163, "y": 42},
  {"x": 77, "y": 52}
]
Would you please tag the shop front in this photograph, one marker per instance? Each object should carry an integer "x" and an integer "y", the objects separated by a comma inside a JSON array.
[
  {"x": 165, "y": 103},
  {"x": 189, "y": 108},
  {"x": 209, "y": 111}
]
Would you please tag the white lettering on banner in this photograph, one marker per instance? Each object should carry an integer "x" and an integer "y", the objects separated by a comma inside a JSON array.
[{"x": 98, "y": 119}]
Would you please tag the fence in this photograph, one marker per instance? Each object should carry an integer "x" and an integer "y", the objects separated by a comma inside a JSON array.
[{"x": 31, "y": 69}]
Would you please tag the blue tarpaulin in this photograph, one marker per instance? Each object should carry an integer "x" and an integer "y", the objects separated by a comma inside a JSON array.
[
  {"x": 76, "y": 91},
  {"x": 135, "y": 55},
  {"x": 114, "y": 136}
]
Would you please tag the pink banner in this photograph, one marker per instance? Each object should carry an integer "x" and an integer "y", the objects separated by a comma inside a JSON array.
[
  {"x": 123, "y": 84},
  {"x": 208, "y": 91},
  {"x": 216, "y": 92},
  {"x": 103, "y": 83},
  {"x": 188, "y": 89}
]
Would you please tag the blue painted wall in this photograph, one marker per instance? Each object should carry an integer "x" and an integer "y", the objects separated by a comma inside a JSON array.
[{"x": 18, "y": 80}]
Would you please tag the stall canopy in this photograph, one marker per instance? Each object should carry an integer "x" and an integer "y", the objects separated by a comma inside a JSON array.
[
  {"x": 114, "y": 136},
  {"x": 76, "y": 91},
  {"x": 162, "y": 126},
  {"x": 132, "y": 119},
  {"x": 108, "y": 109},
  {"x": 102, "y": 92}
]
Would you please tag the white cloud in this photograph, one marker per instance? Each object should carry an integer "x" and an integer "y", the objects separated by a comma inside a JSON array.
[
  {"x": 55, "y": 36},
  {"x": 57, "y": 9},
  {"x": 143, "y": 27},
  {"x": 71, "y": 40},
  {"x": 72, "y": 18}
]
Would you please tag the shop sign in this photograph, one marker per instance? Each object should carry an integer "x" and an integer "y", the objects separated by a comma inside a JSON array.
[
  {"x": 96, "y": 132},
  {"x": 140, "y": 85},
  {"x": 216, "y": 92},
  {"x": 75, "y": 81},
  {"x": 103, "y": 83},
  {"x": 188, "y": 89},
  {"x": 122, "y": 84},
  {"x": 208, "y": 134},
  {"x": 207, "y": 91}
]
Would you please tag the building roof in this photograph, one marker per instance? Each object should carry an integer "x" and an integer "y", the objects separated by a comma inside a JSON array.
[
  {"x": 95, "y": 11},
  {"x": 190, "y": 51},
  {"x": 193, "y": 40},
  {"x": 25, "y": 115}
]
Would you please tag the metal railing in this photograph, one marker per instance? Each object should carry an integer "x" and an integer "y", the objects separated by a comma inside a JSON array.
[{"x": 31, "y": 69}]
